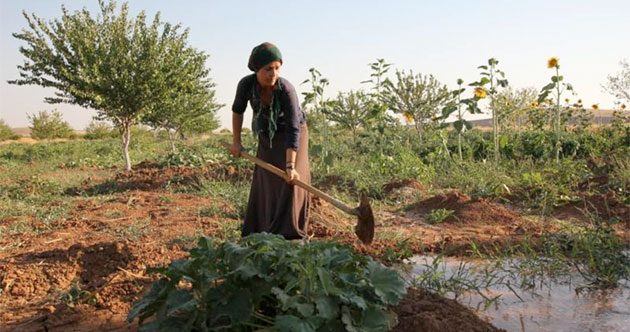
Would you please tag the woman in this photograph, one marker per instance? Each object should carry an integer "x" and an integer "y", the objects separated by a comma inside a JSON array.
[{"x": 274, "y": 206}]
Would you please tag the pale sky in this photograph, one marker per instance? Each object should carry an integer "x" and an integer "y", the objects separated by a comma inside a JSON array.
[{"x": 448, "y": 39}]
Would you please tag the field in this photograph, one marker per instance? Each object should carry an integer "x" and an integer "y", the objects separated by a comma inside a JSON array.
[{"x": 77, "y": 232}]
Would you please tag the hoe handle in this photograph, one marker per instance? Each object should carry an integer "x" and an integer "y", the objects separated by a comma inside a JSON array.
[{"x": 318, "y": 193}]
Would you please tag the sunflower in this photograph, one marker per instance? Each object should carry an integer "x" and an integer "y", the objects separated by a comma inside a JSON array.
[
  {"x": 580, "y": 101},
  {"x": 408, "y": 117},
  {"x": 595, "y": 107},
  {"x": 552, "y": 62},
  {"x": 480, "y": 93},
  {"x": 623, "y": 106},
  {"x": 534, "y": 104}
]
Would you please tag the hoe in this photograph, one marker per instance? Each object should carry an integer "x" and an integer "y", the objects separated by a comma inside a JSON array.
[{"x": 364, "y": 228}]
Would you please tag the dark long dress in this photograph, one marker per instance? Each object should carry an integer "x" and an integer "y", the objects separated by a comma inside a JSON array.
[{"x": 275, "y": 206}]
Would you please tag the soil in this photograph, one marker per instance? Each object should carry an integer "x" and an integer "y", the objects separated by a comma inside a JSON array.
[
  {"x": 410, "y": 184},
  {"x": 467, "y": 210},
  {"x": 84, "y": 271},
  {"x": 423, "y": 311},
  {"x": 604, "y": 207}
]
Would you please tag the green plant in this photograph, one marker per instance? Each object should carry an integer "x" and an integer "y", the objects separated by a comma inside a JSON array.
[
  {"x": 417, "y": 97},
  {"x": 560, "y": 87},
  {"x": 265, "y": 283},
  {"x": 45, "y": 125},
  {"x": 490, "y": 75},
  {"x": 99, "y": 130},
  {"x": 121, "y": 67},
  {"x": 461, "y": 124},
  {"x": 437, "y": 216},
  {"x": 6, "y": 133}
]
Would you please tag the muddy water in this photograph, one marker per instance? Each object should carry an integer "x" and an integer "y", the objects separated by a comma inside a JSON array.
[{"x": 554, "y": 307}]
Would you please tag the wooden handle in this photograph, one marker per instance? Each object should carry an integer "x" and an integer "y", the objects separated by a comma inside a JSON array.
[{"x": 318, "y": 193}]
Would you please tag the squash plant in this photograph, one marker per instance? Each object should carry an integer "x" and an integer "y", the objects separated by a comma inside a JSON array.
[{"x": 265, "y": 283}]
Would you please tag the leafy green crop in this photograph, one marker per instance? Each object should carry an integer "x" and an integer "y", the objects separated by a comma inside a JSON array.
[{"x": 265, "y": 283}]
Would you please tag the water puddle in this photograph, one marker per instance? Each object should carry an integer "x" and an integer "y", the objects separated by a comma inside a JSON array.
[{"x": 556, "y": 306}]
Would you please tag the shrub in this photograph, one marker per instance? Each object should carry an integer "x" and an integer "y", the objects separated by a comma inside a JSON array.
[
  {"x": 99, "y": 130},
  {"x": 267, "y": 283},
  {"x": 45, "y": 125},
  {"x": 6, "y": 132}
]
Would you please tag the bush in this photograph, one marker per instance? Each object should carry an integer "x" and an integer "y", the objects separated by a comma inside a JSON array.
[
  {"x": 267, "y": 283},
  {"x": 99, "y": 130},
  {"x": 6, "y": 132},
  {"x": 45, "y": 125}
]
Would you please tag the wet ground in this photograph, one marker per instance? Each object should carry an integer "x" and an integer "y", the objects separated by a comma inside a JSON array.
[{"x": 558, "y": 306}]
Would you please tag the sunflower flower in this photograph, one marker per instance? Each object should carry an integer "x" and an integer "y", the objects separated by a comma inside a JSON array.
[
  {"x": 480, "y": 93},
  {"x": 408, "y": 117},
  {"x": 595, "y": 107},
  {"x": 552, "y": 62},
  {"x": 623, "y": 106}
]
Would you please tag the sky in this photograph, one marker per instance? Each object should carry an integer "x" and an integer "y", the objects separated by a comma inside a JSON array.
[{"x": 448, "y": 39}]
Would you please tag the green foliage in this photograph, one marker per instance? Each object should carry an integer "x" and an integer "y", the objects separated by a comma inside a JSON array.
[
  {"x": 6, "y": 133},
  {"x": 45, "y": 125},
  {"x": 123, "y": 68},
  {"x": 314, "y": 102},
  {"x": 420, "y": 96},
  {"x": 267, "y": 283},
  {"x": 352, "y": 111},
  {"x": 99, "y": 130},
  {"x": 494, "y": 78}
]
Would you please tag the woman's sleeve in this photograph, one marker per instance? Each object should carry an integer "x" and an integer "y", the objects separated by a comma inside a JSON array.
[
  {"x": 242, "y": 95},
  {"x": 291, "y": 109}
]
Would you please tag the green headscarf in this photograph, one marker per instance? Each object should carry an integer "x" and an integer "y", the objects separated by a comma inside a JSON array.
[{"x": 260, "y": 57}]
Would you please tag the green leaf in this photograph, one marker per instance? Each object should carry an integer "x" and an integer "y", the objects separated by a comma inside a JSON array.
[
  {"x": 503, "y": 141},
  {"x": 305, "y": 309},
  {"x": 459, "y": 125},
  {"x": 549, "y": 86},
  {"x": 374, "y": 320},
  {"x": 327, "y": 284},
  {"x": 179, "y": 301},
  {"x": 290, "y": 323},
  {"x": 326, "y": 307},
  {"x": 483, "y": 67},
  {"x": 316, "y": 149},
  {"x": 388, "y": 285}
]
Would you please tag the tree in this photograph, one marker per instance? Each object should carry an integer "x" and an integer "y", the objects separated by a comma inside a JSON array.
[
  {"x": 46, "y": 125},
  {"x": 513, "y": 105},
  {"x": 352, "y": 111},
  {"x": 418, "y": 97},
  {"x": 99, "y": 130},
  {"x": 122, "y": 68},
  {"x": 6, "y": 132},
  {"x": 618, "y": 85},
  {"x": 191, "y": 107}
]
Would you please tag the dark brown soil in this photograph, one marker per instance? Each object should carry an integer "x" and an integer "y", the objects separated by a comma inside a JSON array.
[
  {"x": 467, "y": 210},
  {"x": 423, "y": 311}
]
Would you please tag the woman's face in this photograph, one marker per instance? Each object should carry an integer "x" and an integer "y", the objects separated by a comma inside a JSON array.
[{"x": 268, "y": 75}]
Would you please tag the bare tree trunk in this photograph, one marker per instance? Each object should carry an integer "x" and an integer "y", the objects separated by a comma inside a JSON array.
[
  {"x": 125, "y": 134},
  {"x": 171, "y": 140}
]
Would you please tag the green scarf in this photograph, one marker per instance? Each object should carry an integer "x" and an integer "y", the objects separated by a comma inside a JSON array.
[{"x": 274, "y": 112}]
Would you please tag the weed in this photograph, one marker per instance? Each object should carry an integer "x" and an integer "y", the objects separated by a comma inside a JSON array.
[{"x": 437, "y": 216}]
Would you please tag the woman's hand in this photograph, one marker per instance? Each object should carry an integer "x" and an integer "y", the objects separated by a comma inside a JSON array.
[
  {"x": 236, "y": 149},
  {"x": 292, "y": 175}
]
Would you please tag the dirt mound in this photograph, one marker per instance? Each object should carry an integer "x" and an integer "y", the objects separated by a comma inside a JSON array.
[
  {"x": 422, "y": 311},
  {"x": 599, "y": 206},
  {"x": 402, "y": 184},
  {"x": 466, "y": 210}
]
